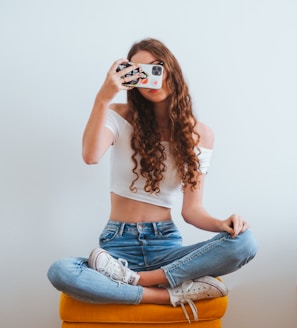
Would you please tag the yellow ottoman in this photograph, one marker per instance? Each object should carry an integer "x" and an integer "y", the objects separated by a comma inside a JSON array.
[{"x": 76, "y": 314}]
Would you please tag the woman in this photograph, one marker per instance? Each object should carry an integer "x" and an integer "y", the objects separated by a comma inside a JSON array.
[{"x": 159, "y": 149}]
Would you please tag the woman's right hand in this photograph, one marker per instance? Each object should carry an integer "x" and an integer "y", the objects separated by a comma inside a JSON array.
[{"x": 114, "y": 80}]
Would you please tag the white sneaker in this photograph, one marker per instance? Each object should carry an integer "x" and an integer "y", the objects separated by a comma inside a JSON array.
[
  {"x": 194, "y": 290},
  {"x": 117, "y": 270}
]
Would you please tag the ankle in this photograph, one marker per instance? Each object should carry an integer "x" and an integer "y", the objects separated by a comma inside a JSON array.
[
  {"x": 155, "y": 295},
  {"x": 152, "y": 278}
]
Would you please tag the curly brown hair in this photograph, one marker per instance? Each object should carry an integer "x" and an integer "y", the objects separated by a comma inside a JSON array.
[{"x": 146, "y": 139}]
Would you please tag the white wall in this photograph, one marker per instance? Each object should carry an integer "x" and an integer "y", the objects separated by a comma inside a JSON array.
[{"x": 240, "y": 60}]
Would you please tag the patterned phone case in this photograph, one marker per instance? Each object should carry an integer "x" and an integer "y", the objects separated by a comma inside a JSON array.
[{"x": 152, "y": 75}]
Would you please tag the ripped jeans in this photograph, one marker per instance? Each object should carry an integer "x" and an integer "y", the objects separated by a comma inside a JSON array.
[{"x": 148, "y": 246}]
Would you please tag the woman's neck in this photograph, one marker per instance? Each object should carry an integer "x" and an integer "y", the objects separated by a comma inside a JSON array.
[{"x": 161, "y": 112}]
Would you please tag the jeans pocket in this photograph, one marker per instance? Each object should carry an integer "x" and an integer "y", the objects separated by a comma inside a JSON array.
[
  {"x": 108, "y": 234},
  {"x": 170, "y": 232}
]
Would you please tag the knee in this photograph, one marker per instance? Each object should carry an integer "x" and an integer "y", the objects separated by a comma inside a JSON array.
[
  {"x": 60, "y": 272},
  {"x": 247, "y": 246},
  {"x": 55, "y": 273}
]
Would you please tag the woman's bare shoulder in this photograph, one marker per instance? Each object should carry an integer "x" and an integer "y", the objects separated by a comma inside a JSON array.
[
  {"x": 121, "y": 109},
  {"x": 206, "y": 135}
]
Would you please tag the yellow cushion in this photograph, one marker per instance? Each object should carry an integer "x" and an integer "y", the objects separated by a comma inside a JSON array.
[{"x": 89, "y": 315}]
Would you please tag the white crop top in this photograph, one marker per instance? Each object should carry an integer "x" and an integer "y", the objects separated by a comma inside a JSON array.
[{"x": 122, "y": 165}]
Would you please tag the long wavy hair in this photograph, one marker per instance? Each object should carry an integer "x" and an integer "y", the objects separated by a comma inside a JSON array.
[{"x": 146, "y": 138}]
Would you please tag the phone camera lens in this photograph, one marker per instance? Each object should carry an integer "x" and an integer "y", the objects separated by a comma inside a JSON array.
[{"x": 157, "y": 70}]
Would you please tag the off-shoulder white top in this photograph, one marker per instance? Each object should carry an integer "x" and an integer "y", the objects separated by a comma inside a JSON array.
[{"x": 122, "y": 165}]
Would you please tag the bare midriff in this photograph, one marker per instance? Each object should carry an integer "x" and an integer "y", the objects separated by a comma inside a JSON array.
[{"x": 133, "y": 211}]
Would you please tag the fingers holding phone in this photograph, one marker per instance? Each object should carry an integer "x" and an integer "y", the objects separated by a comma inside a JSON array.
[
  {"x": 129, "y": 73},
  {"x": 114, "y": 81}
]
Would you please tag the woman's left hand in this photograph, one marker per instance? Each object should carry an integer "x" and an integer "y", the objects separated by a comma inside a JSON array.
[{"x": 234, "y": 225}]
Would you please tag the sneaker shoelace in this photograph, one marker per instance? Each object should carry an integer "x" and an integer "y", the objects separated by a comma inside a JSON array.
[
  {"x": 186, "y": 286},
  {"x": 192, "y": 307},
  {"x": 117, "y": 268}
]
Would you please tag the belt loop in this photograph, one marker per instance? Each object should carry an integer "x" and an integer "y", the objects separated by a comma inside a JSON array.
[
  {"x": 155, "y": 228},
  {"x": 121, "y": 230}
]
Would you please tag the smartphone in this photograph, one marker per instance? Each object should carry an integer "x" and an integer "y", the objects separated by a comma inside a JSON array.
[{"x": 152, "y": 75}]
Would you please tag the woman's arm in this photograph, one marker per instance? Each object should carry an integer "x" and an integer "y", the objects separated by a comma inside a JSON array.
[
  {"x": 194, "y": 213},
  {"x": 97, "y": 138}
]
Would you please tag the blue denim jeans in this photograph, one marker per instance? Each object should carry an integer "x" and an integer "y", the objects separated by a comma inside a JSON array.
[{"x": 149, "y": 246}]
